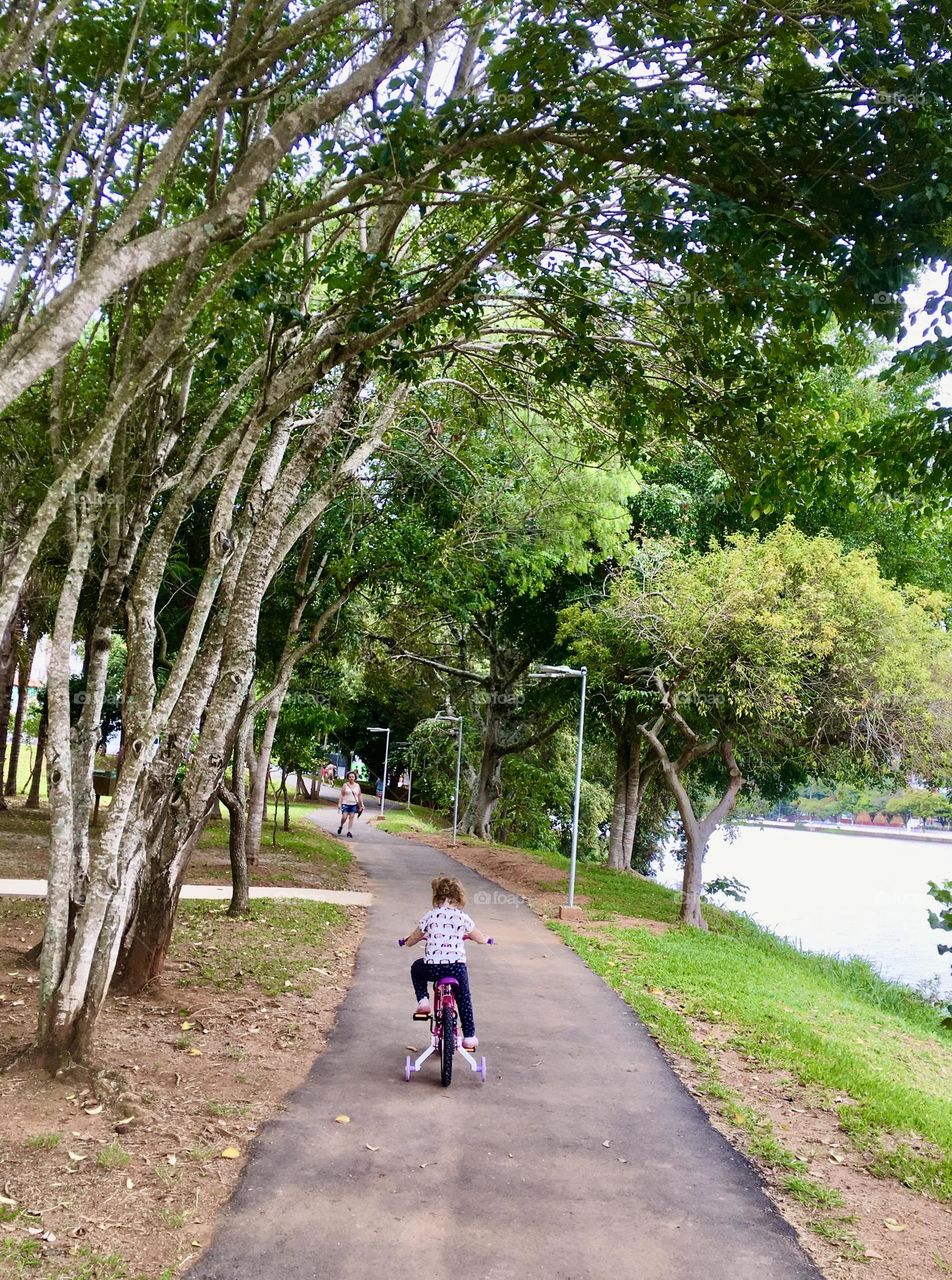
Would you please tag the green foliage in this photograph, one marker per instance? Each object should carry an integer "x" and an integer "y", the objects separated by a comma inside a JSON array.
[
  {"x": 113, "y": 1157},
  {"x": 796, "y": 650},
  {"x": 44, "y": 1141},
  {"x": 942, "y": 919}
]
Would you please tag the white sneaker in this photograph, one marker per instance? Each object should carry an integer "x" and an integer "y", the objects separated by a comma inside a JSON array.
[
  {"x": 423, "y": 1006},
  {"x": 470, "y": 1042}
]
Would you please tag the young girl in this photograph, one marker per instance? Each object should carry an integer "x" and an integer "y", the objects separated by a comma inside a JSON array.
[
  {"x": 445, "y": 930},
  {"x": 350, "y": 804}
]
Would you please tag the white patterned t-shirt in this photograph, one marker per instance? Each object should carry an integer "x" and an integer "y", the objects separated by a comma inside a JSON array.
[{"x": 445, "y": 928}]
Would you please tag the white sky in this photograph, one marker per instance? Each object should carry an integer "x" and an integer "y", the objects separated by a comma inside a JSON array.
[{"x": 933, "y": 281}]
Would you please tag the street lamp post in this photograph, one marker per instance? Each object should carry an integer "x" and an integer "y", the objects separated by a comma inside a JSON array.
[
  {"x": 376, "y": 728},
  {"x": 565, "y": 673},
  {"x": 458, "y": 721}
]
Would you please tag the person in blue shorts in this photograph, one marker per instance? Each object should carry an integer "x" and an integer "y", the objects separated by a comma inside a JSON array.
[{"x": 350, "y": 804}]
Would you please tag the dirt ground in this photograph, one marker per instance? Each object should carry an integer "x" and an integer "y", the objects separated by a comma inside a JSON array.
[
  {"x": 137, "y": 1160},
  {"x": 148, "y": 1152},
  {"x": 905, "y": 1235}
]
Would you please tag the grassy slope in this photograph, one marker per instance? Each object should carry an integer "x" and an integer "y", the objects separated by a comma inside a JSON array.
[
  {"x": 834, "y": 1024},
  {"x": 406, "y": 821},
  {"x": 305, "y": 843}
]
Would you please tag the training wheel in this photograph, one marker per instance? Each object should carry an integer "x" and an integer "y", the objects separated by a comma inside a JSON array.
[
  {"x": 481, "y": 1070},
  {"x": 408, "y": 1072}
]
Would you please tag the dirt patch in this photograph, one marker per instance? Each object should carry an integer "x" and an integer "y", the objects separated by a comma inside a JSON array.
[
  {"x": 904, "y": 1235},
  {"x": 137, "y": 1162},
  {"x": 592, "y": 928}
]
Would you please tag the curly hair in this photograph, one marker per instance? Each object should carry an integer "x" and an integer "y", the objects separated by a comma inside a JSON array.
[{"x": 448, "y": 889}]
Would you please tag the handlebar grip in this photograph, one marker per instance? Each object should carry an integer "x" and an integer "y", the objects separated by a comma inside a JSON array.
[
  {"x": 490, "y": 942},
  {"x": 401, "y": 942}
]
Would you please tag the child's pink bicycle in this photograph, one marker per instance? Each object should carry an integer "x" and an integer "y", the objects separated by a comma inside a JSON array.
[{"x": 446, "y": 1038}]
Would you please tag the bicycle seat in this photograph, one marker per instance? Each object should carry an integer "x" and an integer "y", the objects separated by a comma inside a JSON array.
[{"x": 447, "y": 982}]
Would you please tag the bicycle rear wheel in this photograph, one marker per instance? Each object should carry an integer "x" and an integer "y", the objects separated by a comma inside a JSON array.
[{"x": 448, "y": 1046}]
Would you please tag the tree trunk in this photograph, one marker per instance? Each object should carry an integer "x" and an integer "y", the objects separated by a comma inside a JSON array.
[
  {"x": 237, "y": 852},
  {"x": 8, "y": 665},
  {"x": 23, "y": 682},
  {"x": 148, "y": 946},
  {"x": 693, "y": 880},
  {"x": 259, "y": 767},
  {"x": 634, "y": 793},
  {"x": 487, "y": 790},
  {"x": 236, "y": 801},
  {"x": 616, "y": 836},
  {"x": 33, "y": 799}
]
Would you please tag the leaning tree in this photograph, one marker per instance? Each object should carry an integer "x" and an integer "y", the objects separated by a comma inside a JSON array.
[{"x": 767, "y": 661}]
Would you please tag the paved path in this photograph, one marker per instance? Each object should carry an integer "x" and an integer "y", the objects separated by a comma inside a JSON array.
[
  {"x": 510, "y": 1180},
  {"x": 214, "y": 892}
]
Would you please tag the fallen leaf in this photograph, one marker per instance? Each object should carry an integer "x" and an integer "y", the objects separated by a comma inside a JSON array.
[
  {"x": 16, "y": 1002},
  {"x": 196, "y": 1244},
  {"x": 871, "y": 1253},
  {"x": 411, "y": 1048},
  {"x": 834, "y": 1155},
  {"x": 124, "y": 1120},
  {"x": 194, "y": 1053},
  {"x": 607, "y": 1142},
  {"x": 892, "y": 1225},
  {"x": 171, "y": 1159},
  {"x": 129, "y": 1184},
  {"x": 370, "y": 1148},
  {"x": 73, "y": 1156},
  {"x": 7, "y": 1200},
  {"x": 342, "y": 1119},
  {"x": 93, "y": 1111},
  {"x": 621, "y": 1160},
  {"x": 187, "y": 1026},
  {"x": 230, "y": 1153},
  {"x": 422, "y": 1166}
]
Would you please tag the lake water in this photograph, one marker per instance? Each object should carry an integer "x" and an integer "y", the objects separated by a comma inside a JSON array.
[{"x": 846, "y": 894}]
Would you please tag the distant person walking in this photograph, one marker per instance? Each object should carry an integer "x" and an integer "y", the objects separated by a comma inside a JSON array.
[{"x": 350, "y": 804}]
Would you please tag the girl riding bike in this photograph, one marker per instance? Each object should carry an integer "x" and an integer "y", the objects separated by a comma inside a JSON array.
[{"x": 445, "y": 929}]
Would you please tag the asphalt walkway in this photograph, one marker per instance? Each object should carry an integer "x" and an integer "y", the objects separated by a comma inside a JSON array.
[{"x": 582, "y": 1157}]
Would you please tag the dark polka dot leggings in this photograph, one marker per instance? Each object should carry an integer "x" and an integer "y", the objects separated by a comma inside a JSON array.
[{"x": 423, "y": 975}]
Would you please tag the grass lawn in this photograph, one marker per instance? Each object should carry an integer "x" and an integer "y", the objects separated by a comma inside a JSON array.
[
  {"x": 874, "y": 1050},
  {"x": 303, "y": 855},
  {"x": 274, "y": 946},
  {"x": 405, "y": 821}
]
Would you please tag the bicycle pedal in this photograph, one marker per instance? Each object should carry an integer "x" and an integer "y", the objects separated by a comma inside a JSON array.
[{"x": 421, "y": 1017}]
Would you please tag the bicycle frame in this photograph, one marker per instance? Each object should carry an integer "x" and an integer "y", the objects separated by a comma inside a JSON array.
[{"x": 443, "y": 999}]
